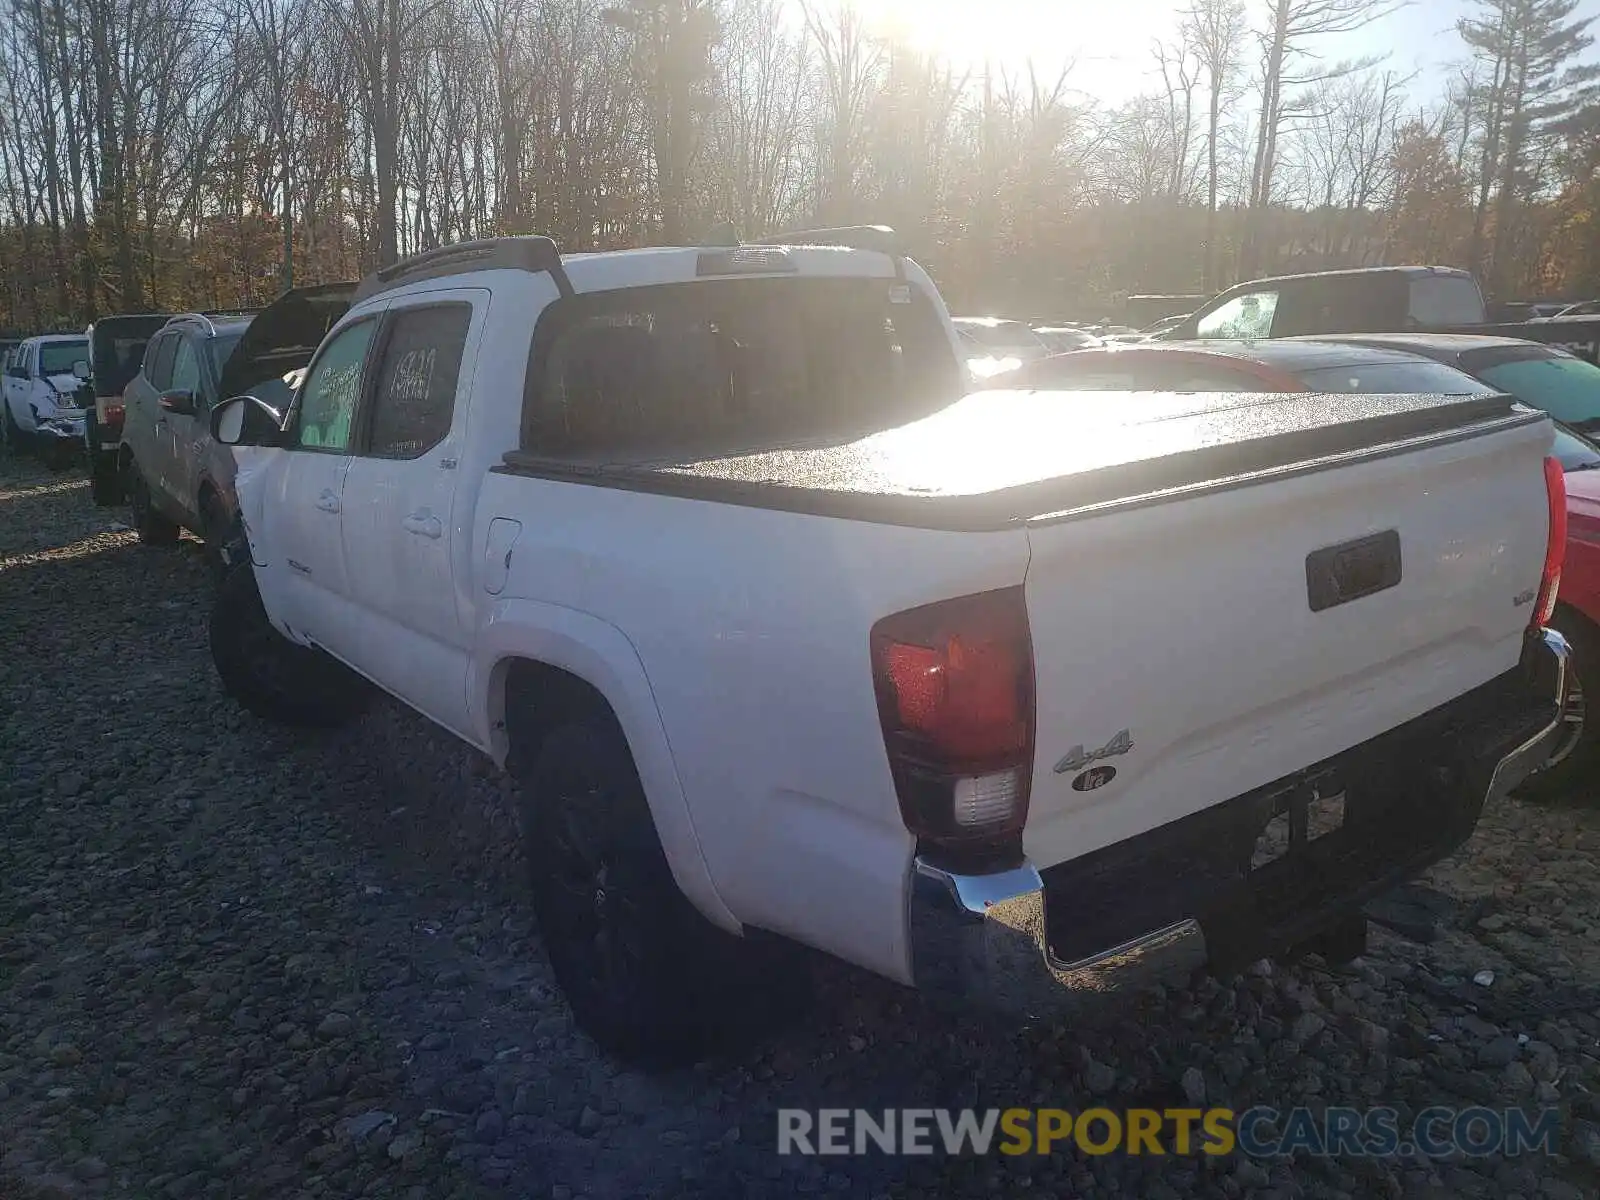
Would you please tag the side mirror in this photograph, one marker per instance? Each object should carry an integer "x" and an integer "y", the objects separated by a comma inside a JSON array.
[
  {"x": 81, "y": 369},
  {"x": 179, "y": 403},
  {"x": 246, "y": 421}
]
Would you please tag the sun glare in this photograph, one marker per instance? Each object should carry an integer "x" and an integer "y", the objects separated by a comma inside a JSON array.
[{"x": 1110, "y": 47}]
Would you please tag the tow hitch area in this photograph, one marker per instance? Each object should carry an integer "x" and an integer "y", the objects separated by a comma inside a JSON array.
[{"x": 1301, "y": 814}]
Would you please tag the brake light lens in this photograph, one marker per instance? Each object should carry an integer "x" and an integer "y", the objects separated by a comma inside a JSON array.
[
  {"x": 954, "y": 683},
  {"x": 114, "y": 415},
  {"x": 1555, "y": 547}
]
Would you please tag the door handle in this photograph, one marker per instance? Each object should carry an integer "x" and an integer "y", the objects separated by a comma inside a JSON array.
[
  {"x": 328, "y": 502},
  {"x": 423, "y": 524}
]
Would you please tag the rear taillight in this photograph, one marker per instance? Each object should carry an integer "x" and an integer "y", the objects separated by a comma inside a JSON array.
[
  {"x": 1555, "y": 546},
  {"x": 114, "y": 414},
  {"x": 954, "y": 682}
]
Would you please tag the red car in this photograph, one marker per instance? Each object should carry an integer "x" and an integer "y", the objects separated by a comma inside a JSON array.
[{"x": 1390, "y": 363}]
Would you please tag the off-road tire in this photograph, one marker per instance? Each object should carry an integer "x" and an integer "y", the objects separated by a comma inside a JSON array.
[
  {"x": 11, "y": 434},
  {"x": 153, "y": 528},
  {"x": 272, "y": 677},
  {"x": 105, "y": 483},
  {"x": 58, "y": 453},
  {"x": 647, "y": 977}
]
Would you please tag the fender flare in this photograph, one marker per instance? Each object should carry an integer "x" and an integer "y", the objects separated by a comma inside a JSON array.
[{"x": 602, "y": 656}]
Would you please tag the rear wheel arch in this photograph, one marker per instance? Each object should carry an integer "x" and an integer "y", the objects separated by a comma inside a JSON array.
[
  {"x": 532, "y": 690},
  {"x": 535, "y": 698}
]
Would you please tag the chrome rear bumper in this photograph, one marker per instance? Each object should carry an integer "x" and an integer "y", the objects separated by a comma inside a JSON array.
[{"x": 985, "y": 937}]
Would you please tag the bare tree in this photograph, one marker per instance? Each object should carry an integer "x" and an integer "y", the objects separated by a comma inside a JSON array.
[
  {"x": 1288, "y": 63},
  {"x": 1216, "y": 30},
  {"x": 851, "y": 73}
]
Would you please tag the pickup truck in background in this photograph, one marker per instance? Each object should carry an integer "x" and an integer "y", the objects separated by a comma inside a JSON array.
[
  {"x": 1405, "y": 299},
  {"x": 786, "y": 640}
]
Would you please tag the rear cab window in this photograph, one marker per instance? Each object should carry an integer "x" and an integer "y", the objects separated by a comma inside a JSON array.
[
  {"x": 728, "y": 366},
  {"x": 118, "y": 357},
  {"x": 1441, "y": 300}
]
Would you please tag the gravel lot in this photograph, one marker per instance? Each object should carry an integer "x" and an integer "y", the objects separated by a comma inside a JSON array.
[{"x": 239, "y": 962}]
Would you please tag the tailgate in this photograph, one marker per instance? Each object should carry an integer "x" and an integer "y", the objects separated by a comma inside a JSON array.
[{"x": 1198, "y": 628}]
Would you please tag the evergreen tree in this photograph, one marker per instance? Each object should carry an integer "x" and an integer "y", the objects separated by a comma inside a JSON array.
[{"x": 1529, "y": 48}]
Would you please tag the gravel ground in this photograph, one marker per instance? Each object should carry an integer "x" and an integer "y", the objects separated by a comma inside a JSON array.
[{"x": 239, "y": 962}]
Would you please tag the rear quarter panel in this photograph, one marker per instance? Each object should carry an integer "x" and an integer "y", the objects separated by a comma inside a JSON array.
[{"x": 752, "y": 628}]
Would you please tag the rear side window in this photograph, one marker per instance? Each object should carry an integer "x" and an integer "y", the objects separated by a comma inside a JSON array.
[
  {"x": 1243, "y": 317},
  {"x": 414, "y": 398},
  {"x": 1339, "y": 304},
  {"x": 1446, "y": 300},
  {"x": 732, "y": 365},
  {"x": 1430, "y": 378}
]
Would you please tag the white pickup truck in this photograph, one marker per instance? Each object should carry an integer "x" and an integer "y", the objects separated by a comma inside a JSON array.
[{"x": 1024, "y": 696}]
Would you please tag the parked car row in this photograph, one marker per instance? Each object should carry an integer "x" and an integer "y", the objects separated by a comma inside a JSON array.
[
  {"x": 133, "y": 395},
  {"x": 788, "y": 636}
]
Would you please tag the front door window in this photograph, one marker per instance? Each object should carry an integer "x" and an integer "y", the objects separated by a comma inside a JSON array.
[{"x": 328, "y": 403}]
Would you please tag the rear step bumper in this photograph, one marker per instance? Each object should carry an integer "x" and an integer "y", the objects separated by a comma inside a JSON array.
[{"x": 1196, "y": 892}]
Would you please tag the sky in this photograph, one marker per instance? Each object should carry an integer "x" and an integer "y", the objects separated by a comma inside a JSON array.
[{"x": 1111, "y": 39}]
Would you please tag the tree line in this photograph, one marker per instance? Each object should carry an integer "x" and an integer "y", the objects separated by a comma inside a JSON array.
[{"x": 159, "y": 154}]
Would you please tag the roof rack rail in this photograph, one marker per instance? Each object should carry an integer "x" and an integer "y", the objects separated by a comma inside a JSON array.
[
  {"x": 203, "y": 318},
  {"x": 533, "y": 252}
]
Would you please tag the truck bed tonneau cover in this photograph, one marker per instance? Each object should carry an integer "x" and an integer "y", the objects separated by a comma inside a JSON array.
[{"x": 998, "y": 459}]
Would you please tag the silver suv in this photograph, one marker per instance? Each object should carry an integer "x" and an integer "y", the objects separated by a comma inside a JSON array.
[{"x": 175, "y": 475}]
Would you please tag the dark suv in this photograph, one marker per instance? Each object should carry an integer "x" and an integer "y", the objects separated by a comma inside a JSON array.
[{"x": 116, "y": 350}]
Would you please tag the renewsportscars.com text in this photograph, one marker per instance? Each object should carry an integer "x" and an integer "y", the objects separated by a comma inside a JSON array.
[{"x": 1259, "y": 1132}]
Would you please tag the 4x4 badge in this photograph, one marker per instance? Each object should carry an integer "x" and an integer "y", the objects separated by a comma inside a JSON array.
[{"x": 1077, "y": 758}]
